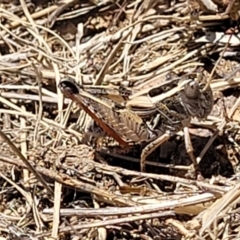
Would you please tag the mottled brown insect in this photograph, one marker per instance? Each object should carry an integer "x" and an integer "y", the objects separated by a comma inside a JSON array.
[{"x": 125, "y": 117}]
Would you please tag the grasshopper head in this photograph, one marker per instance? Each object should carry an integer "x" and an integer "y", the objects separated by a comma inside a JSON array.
[{"x": 197, "y": 99}]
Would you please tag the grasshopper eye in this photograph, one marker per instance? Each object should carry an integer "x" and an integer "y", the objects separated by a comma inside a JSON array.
[{"x": 68, "y": 87}]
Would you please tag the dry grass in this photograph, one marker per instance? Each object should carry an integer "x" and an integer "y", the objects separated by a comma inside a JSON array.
[{"x": 55, "y": 187}]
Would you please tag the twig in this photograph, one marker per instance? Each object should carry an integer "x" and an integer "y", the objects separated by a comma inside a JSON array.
[
  {"x": 29, "y": 166},
  {"x": 40, "y": 110}
]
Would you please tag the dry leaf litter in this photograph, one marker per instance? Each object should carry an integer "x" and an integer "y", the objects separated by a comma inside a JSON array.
[{"x": 67, "y": 189}]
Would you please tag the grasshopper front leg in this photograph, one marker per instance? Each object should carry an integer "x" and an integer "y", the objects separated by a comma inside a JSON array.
[{"x": 147, "y": 150}]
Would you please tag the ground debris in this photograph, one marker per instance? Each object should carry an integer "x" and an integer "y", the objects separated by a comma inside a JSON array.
[{"x": 98, "y": 191}]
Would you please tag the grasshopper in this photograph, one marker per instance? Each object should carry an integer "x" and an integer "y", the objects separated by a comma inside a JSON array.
[
  {"x": 121, "y": 124},
  {"x": 116, "y": 115},
  {"x": 165, "y": 99}
]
